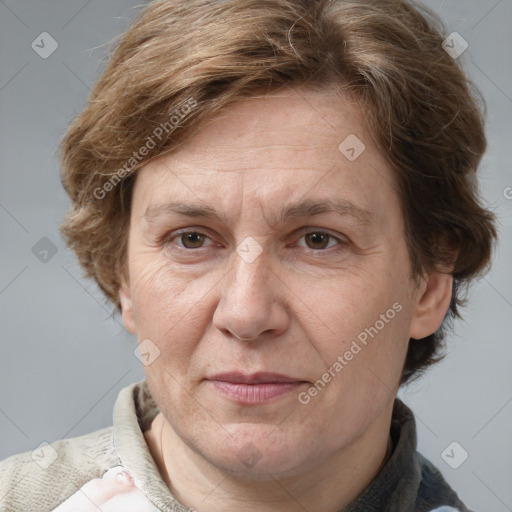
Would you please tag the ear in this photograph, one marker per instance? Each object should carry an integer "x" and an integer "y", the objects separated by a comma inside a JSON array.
[
  {"x": 125, "y": 299},
  {"x": 434, "y": 297}
]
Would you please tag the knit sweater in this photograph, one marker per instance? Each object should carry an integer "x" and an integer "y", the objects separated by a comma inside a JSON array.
[{"x": 57, "y": 476}]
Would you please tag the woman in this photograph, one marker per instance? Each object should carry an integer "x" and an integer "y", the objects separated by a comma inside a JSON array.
[{"x": 279, "y": 199}]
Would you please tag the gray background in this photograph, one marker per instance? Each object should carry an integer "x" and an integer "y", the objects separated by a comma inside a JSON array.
[{"x": 65, "y": 358}]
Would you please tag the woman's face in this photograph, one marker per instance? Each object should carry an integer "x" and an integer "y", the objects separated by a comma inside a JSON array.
[{"x": 270, "y": 285}]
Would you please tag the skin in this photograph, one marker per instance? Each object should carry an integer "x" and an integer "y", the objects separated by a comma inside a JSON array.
[{"x": 293, "y": 310}]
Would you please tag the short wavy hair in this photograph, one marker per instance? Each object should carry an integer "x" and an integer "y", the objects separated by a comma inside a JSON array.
[{"x": 181, "y": 61}]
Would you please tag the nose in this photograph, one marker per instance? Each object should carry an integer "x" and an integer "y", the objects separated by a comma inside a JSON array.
[{"x": 251, "y": 306}]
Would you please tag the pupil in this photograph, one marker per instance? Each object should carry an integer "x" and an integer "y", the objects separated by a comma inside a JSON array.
[
  {"x": 319, "y": 238},
  {"x": 195, "y": 239}
]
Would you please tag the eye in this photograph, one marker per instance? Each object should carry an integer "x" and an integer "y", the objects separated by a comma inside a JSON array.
[
  {"x": 319, "y": 240},
  {"x": 314, "y": 240},
  {"x": 190, "y": 239}
]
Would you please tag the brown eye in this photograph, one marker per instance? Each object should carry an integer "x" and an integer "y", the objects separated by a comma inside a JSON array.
[
  {"x": 317, "y": 240},
  {"x": 192, "y": 240}
]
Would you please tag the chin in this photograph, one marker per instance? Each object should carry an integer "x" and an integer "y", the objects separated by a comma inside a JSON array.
[{"x": 260, "y": 452}]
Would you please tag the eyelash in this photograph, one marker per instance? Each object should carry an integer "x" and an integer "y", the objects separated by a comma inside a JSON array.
[{"x": 172, "y": 236}]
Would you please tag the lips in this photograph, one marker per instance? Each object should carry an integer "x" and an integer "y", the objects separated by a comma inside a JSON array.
[
  {"x": 254, "y": 388},
  {"x": 253, "y": 378}
]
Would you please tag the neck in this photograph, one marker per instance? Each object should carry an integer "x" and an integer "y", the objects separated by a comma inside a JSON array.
[{"x": 329, "y": 486}]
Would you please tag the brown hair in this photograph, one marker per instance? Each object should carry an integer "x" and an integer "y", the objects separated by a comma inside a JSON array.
[{"x": 183, "y": 60}]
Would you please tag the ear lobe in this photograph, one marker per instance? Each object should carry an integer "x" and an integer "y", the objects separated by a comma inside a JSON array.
[
  {"x": 435, "y": 295},
  {"x": 125, "y": 299}
]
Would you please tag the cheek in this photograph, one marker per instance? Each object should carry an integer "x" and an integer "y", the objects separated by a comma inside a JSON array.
[
  {"x": 365, "y": 322},
  {"x": 169, "y": 310},
  {"x": 361, "y": 361},
  {"x": 159, "y": 295},
  {"x": 349, "y": 303}
]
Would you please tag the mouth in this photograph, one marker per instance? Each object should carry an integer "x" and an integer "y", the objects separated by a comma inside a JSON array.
[{"x": 254, "y": 388}]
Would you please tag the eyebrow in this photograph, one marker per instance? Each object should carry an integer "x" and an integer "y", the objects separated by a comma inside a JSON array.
[{"x": 296, "y": 210}]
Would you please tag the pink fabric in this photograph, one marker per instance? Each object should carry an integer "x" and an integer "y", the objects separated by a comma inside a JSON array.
[{"x": 115, "y": 491}]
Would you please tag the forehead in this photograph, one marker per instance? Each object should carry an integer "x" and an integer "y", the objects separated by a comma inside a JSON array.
[
  {"x": 274, "y": 148},
  {"x": 287, "y": 125}
]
